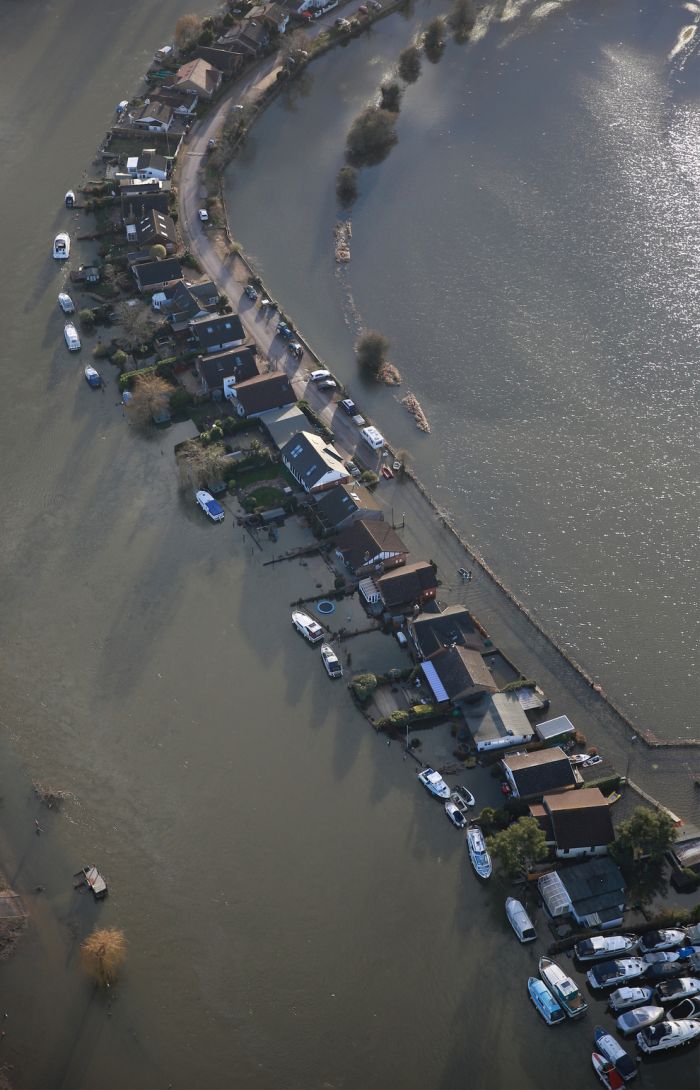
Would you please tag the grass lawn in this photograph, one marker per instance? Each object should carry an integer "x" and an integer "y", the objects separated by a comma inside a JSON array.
[{"x": 266, "y": 496}]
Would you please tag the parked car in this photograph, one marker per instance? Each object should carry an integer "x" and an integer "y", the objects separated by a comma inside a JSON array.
[
  {"x": 342, "y": 24},
  {"x": 374, "y": 5},
  {"x": 284, "y": 330},
  {"x": 203, "y": 215},
  {"x": 250, "y": 292},
  {"x": 296, "y": 349},
  {"x": 328, "y": 384},
  {"x": 348, "y": 406},
  {"x": 265, "y": 303},
  {"x": 316, "y": 376},
  {"x": 352, "y": 469}
]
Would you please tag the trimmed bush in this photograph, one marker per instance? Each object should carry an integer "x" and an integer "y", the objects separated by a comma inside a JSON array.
[{"x": 363, "y": 685}]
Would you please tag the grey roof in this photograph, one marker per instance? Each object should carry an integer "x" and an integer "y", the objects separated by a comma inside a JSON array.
[
  {"x": 155, "y": 226},
  {"x": 342, "y": 502},
  {"x": 542, "y": 771},
  {"x": 158, "y": 272},
  {"x": 264, "y": 392},
  {"x": 687, "y": 852},
  {"x": 311, "y": 459},
  {"x": 285, "y": 423},
  {"x": 459, "y": 671},
  {"x": 135, "y": 203},
  {"x": 158, "y": 111},
  {"x": 594, "y": 887},
  {"x": 151, "y": 159},
  {"x": 497, "y": 717},
  {"x": 217, "y": 329},
  {"x": 239, "y": 362},
  {"x": 454, "y": 625}
]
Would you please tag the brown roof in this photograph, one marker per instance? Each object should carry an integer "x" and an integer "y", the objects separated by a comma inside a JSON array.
[
  {"x": 538, "y": 812},
  {"x": 200, "y": 74},
  {"x": 264, "y": 392},
  {"x": 580, "y": 819},
  {"x": 407, "y": 585},
  {"x": 365, "y": 540}
]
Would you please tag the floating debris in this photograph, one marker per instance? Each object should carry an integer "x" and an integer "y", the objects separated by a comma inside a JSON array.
[
  {"x": 413, "y": 405},
  {"x": 389, "y": 374},
  {"x": 342, "y": 233},
  {"x": 51, "y": 796}
]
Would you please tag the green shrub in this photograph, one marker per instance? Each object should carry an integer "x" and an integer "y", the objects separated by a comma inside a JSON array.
[
  {"x": 371, "y": 137},
  {"x": 100, "y": 351},
  {"x": 399, "y": 719},
  {"x": 180, "y": 399},
  {"x": 369, "y": 479},
  {"x": 119, "y": 358},
  {"x": 363, "y": 686},
  {"x": 409, "y": 64},
  {"x": 86, "y": 318}
]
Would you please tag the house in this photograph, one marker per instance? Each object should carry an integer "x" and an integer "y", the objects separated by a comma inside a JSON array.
[
  {"x": 156, "y": 275},
  {"x": 197, "y": 77},
  {"x": 413, "y": 586},
  {"x": 592, "y": 892},
  {"x": 345, "y": 504},
  {"x": 135, "y": 204},
  {"x": 455, "y": 675},
  {"x": 454, "y": 625},
  {"x": 153, "y": 116},
  {"x": 222, "y": 369},
  {"x": 535, "y": 774},
  {"x": 153, "y": 228},
  {"x": 131, "y": 186},
  {"x": 684, "y": 857},
  {"x": 313, "y": 462},
  {"x": 259, "y": 395},
  {"x": 148, "y": 165},
  {"x": 217, "y": 332},
  {"x": 181, "y": 103},
  {"x": 183, "y": 302},
  {"x": 250, "y": 41},
  {"x": 552, "y": 729},
  {"x": 576, "y": 823},
  {"x": 227, "y": 62},
  {"x": 274, "y": 16},
  {"x": 497, "y": 721},
  {"x": 284, "y": 423},
  {"x": 370, "y": 546}
]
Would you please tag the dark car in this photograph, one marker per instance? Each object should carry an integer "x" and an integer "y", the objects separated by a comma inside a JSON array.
[
  {"x": 348, "y": 406},
  {"x": 284, "y": 330},
  {"x": 250, "y": 292}
]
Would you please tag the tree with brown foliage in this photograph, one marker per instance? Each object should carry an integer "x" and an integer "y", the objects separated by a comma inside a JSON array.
[
  {"x": 102, "y": 955},
  {"x": 186, "y": 30},
  {"x": 150, "y": 396}
]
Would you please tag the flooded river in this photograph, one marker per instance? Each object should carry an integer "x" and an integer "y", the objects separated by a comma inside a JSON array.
[{"x": 298, "y": 914}]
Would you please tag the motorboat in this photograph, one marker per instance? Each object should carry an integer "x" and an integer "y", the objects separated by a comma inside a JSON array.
[
  {"x": 307, "y": 627},
  {"x": 331, "y": 661},
  {"x": 457, "y": 799},
  {"x": 211, "y": 507},
  {"x": 661, "y": 940},
  {"x": 562, "y": 988},
  {"x": 671, "y": 991},
  {"x": 578, "y": 758},
  {"x": 476, "y": 846},
  {"x": 520, "y": 921},
  {"x": 607, "y": 1046},
  {"x": 602, "y": 946},
  {"x": 465, "y": 794},
  {"x": 664, "y": 957},
  {"x": 625, "y": 998},
  {"x": 545, "y": 1002},
  {"x": 69, "y": 199},
  {"x": 66, "y": 303},
  {"x": 609, "y": 973},
  {"x": 667, "y": 970},
  {"x": 607, "y": 1072},
  {"x": 454, "y": 813},
  {"x": 639, "y": 1018},
  {"x": 687, "y": 1008},
  {"x": 666, "y": 1035},
  {"x": 71, "y": 337},
  {"x": 433, "y": 782},
  {"x": 92, "y": 377},
  {"x": 61, "y": 246}
]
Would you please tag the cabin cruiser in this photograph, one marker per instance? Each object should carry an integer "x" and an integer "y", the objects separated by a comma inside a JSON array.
[
  {"x": 61, "y": 246},
  {"x": 70, "y": 334},
  {"x": 671, "y": 991},
  {"x": 433, "y": 782},
  {"x": 687, "y": 1008},
  {"x": 65, "y": 302},
  {"x": 666, "y": 1035},
  {"x": 602, "y": 946},
  {"x": 607, "y": 1072},
  {"x": 625, "y": 998},
  {"x": 665, "y": 957},
  {"x": 545, "y": 1002},
  {"x": 607, "y": 1046},
  {"x": 455, "y": 814},
  {"x": 520, "y": 921},
  {"x": 661, "y": 940},
  {"x": 465, "y": 795},
  {"x": 307, "y": 627},
  {"x": 93, "y": 377},
  {"x": 609, "y": 973},
  {"x": 563, "y": 988},
  {"x": 639, "y": 1018},
  {"x": 481, "y": 860},
  {"x": 331, "y": 661},
  {"x": 69, "y": 199}
]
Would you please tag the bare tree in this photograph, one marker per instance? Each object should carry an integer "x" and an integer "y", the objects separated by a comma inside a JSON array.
[
  {"x": 136, "y": 322},
  {"x": 102, "y": 955},
  {"x": 150, "y": 396},
  {"x": 294, "y": 45},
  {"x": 197, "y": 464},
  {"x": 186, "y": 30}
]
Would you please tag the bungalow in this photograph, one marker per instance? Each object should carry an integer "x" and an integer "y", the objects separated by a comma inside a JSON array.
[
  {"x": 250, "y": 41},
  {"x": 454, "y": 625},
  {"x": 497, "y": 721},
  {"x": 156, "y": 275},
  {"x": 153, "y": 228},
  {"x": 313, "y": 462},
  {"x": 197, "y": 77},
  {"x": 181, "y": 103},
  {"x": 135, "y": 204},
  {"x": 153, "y": 116},
  {"x": 220, "y": 371},
  {"x": 592, "y": 892},
  {"x": 282, "y": 424},
  {"x": 576, "y": 823},
  {"x": 220, "y": 57},
  {"x": 259, "y": 395},
  {"x": 183, "y": 302},
  {"x": 370, "y": 546},
  {"x": 217, "y": 332},
  {"x": 413, "y": 586},
  {"x": 455, "y": 675},
  {"x": 345, "y": 504},
  {"x": 148, "y": 165},
  {"x": 535, "y": 774}
]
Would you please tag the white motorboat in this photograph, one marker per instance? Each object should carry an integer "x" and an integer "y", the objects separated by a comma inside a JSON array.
[
  {"x": 607, "y": 1046},
  {"x": 476, "y": 846},
  {"x": 545, "y": 1002},
  {"x": 458, "y": 800},
  {"x": 609, "y": 973},
  {"x": 93, "y": 377},
  {"x": 65, "y": 302},
  {"x": 639, "y": 1018},
  {"x": 579, "y": 758},
  {"x": 661, "y": 940},
  {"x": 665, "y": 957},
  {"x": 563, "y": 988},
  {"x": 671, "y": 991},
  {"x": 433, "y": 782},
  {"x": 454, "y": 813},
  {"x": 520, "y": 921},
  {"x": 666, "y": 1035},
  {"x": 605, "y": 946},
  {"x": 465, "y": 794},
  {"x": 625, "y": 998},
  {"x": 69, "y": 199},
  {"x": 61, "y": 246},
  {"x": 687, "y": 1008},
  {"x": 331, "y": 661},
  {"x": 71, "y": 337},
  {"x": 307, "y": 626},
  {"x": 607, "y": 1072}
]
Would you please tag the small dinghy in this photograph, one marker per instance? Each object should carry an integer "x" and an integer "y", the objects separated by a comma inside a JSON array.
[
  {"x": 90, "y": 876},
  {"x": 661, "y": 940},
  {"x": 563, "y": 988},
  {"x": 433, "y": 782},
  {"x": 666, "y": 1035},
  {"x": 465, "y": 794},
  {"x": 455, "y": 815},
  {"x": 93, "y": 377},
  {"x": 61, "y": 246},
  {"x": 605, "y": 946},
  {"x": 607, "y": 1072},
  {"x": 66, "y": 303},
  {"x": 687, "y": 1008},
  {"x": 639, "y": 1018},
  {"x": 545, "y": 1002},
  {"x": 70, "y": 199},
  {"x": 625, "y": 998},
  {"x": 607, "y": 1046},
  {"x": 70, "y": 335},
  {"x": 520, "y": 921},
  {"x": 481, "y": 860}
]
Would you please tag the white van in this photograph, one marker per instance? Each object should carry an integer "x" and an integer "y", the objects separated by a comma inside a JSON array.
[
  {"x": 372, "y": 438},
  {"x": 316, "y": 376}
]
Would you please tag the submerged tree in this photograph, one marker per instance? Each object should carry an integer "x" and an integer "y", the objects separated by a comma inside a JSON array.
[
  {"x": 186, "y": 30},
  {"x": 409, "y": 64},
  {"x": 198, "y": 463},
  {"x": 371, "y": 349},
  {"x": 102, "y": 955},
  {"x": 371, "y": 137},
  {"x": 434, "y": 39},
  {"x": 137, "y": 324},
  {"x": 519, "y": 846},
  {"x": 346, "y": 186},
  {"x": 150, "y": 396},
  {"x": 390, "y": 92},
  {"x": 461, "y": 19}
]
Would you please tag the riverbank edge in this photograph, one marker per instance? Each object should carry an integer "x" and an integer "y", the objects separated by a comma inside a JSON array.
[{"x": 269, "y": 95}]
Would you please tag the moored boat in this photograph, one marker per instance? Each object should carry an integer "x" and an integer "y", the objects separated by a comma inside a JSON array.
[
  {"x": 307, "y": 627},
  {"x": 665, "y": 957},
  {"x": 91, "y": 877},
  {"x": 563, "y": 988},
  {"x": 664, "y": 939},
  {"x": 331, "y": 661},
  {"x": 465, "y": 794},
  {"x": 671, "y": 991},
  {"x": 545, "y": 1002},
  {"x": 61, "y": 246},
  {"x": 667, "y": 1035},
  {"x": 520, "y": 921},
  {"x": 433, "y": 782},
  {"x": 607, "y": 1072},
  {"x": 454, "y": 813},
  {"x": 687, "y": 1008},
  {"x": 639, "y": 1018},
  {"x": 93, "y": 377},
  {"x": 609, "y": 973},
  {"x": 69, "y": 199},
  {"x": 476, "y": 846},
  {"x": 607, "y": 1046},
  {"x": 65, "y": 302},
  {"x": 623, "y": 999},
  {"x": 605, "y": 946},
  {"x": 70, "y": 335}
]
